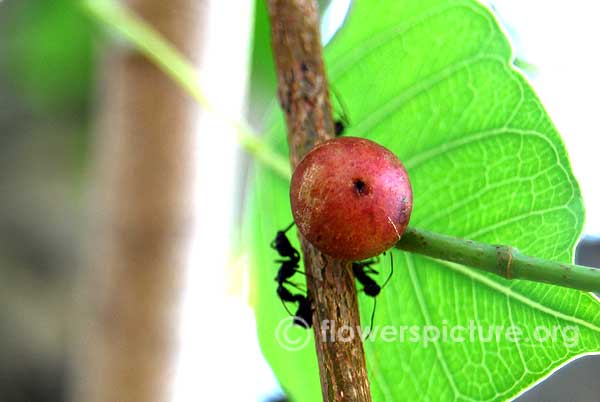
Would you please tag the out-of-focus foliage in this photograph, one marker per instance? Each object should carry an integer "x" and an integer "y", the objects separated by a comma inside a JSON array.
[
  {"x": 46, "y": 48},
  {"x": 262, "y": 67},
  {"x": 45, "y": 80}
]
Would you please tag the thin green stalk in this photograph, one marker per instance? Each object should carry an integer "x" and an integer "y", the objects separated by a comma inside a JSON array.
[
  {"x": 505, "y": 261},
  {"x": 154, "y": 46}
]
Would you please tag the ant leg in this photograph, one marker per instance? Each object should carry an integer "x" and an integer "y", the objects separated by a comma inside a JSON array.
[
  {"x": 391, "y": 271},
  {"x": 285, "y": 307},
  {"x": 304, "y": 273},
  {"x": 296, "y": 270},
  {"x": 372, "y": 318},
  {"x": 297, "y": 287},
  {"x": 279, "y": 261},
  {"x": 369, "y": 270}
]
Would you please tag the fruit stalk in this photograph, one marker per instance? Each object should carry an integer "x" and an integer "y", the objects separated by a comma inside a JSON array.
[
  {"x": 504, "y": 261},
  {"x": 304, "y": 98}
]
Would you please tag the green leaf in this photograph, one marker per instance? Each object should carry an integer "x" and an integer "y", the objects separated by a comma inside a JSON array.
[
  {"x": 434, "y": 82},
  {"x": 263, "y": 82}
]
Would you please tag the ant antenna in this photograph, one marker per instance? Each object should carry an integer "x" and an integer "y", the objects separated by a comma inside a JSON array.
[{"x": 288, "y": 227}]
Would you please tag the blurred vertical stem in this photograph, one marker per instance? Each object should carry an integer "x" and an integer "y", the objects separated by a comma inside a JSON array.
[
  {"x": 143, "y": 186},
  {"x": 304, "y": 98}
]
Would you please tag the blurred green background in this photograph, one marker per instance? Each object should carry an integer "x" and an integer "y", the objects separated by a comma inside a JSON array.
[{"x": 46, "y": 70}]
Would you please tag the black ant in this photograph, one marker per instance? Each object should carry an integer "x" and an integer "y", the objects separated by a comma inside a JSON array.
[
  {"x": 289, "y": 266},
  {"x": 361, "y": 271},
  {"x": 283, "y": 246},
  {"x": 303, "y": 316},
  {"x": 340, "y": 124}
]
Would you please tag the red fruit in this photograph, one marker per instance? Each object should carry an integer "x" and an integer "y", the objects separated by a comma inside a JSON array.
[{"x": 351, "y": 198}]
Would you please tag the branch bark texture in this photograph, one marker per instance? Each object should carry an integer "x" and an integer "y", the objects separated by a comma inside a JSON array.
[{"x": 304, "y": 97}]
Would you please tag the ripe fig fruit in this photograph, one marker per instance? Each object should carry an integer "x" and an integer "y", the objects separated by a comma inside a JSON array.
[{"x": 351, "y": 198}]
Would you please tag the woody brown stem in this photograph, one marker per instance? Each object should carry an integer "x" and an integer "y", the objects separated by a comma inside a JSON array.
[{"x": 304, "y": 98}]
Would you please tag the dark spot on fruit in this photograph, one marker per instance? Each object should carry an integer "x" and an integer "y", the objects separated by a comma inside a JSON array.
[{"x": 360, "y": 187}]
